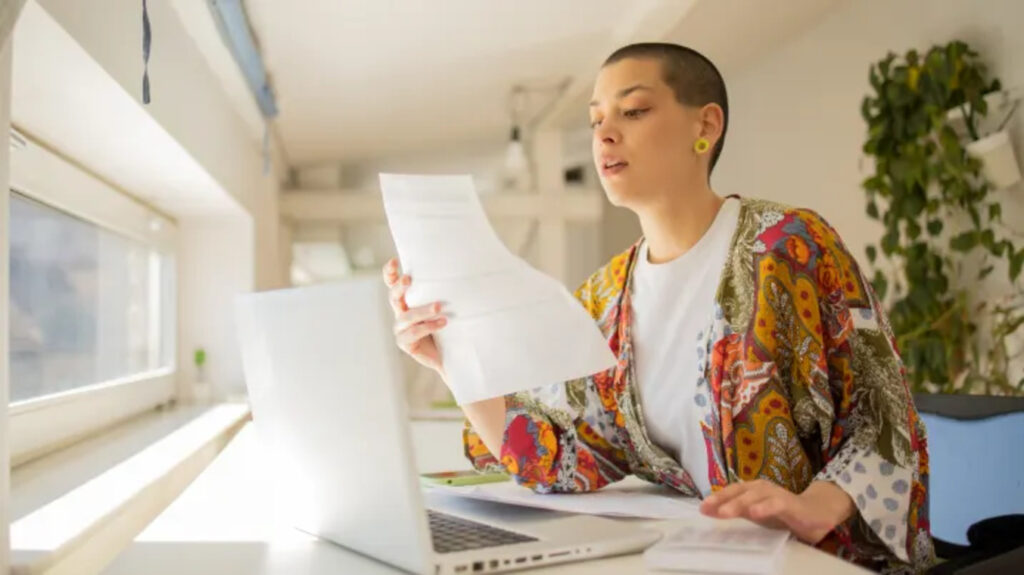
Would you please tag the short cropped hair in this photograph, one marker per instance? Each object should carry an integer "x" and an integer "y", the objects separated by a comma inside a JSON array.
[{"x": 691, "y": 75}]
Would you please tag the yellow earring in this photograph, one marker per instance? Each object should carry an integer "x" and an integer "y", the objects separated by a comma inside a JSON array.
[{"x": 701, "y": 145}]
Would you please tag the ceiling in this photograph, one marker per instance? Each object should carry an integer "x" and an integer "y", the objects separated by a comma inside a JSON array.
[
  {"x": 364, "y": 79},
  {"x": 368, "y": 78}
]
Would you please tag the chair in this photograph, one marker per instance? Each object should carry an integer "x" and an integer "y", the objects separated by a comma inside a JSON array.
[{"x": 976, "y": 480}]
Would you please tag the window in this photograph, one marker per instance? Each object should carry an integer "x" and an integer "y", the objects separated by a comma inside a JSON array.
[
  {"x": 87, "y": 305},
  {"x": 92, "y": 299}
]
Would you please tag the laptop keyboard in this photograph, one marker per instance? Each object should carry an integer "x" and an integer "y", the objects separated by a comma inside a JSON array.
[{"x": 452, "y": 534}]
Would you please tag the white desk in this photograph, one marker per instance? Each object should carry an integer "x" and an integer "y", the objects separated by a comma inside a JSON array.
[{"x": 223, "y": 524}]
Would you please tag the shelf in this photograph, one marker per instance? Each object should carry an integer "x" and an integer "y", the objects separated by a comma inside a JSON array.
[{"x": 349, "y": 206}]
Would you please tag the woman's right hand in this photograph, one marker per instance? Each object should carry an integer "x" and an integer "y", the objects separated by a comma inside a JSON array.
[
  {"x": 414, "y": 333},
  {"x": 415, "y": 327}
]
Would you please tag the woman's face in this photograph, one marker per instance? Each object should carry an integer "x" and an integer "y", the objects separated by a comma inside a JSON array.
[{"x": 643, "y": 137}]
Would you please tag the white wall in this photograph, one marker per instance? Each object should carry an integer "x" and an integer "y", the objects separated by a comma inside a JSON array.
[
  {"x": 5, "y": 125},
  {"x": 796, "y": 131},
  {"x": 215, "y": 263}
]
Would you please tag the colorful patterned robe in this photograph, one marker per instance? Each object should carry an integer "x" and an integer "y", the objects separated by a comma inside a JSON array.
[{"x": 800, "y": 381}]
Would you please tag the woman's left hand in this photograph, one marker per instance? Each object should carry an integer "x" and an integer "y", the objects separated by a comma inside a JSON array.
[{"x": 810, "y": 515}]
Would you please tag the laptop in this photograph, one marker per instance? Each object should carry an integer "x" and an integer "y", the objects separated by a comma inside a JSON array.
[{"x": 329, "y": 406}]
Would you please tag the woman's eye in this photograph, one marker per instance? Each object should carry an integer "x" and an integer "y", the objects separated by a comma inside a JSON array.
[
  {"x": 594, "y": 124},
  {"x": 635, "y": 113}
]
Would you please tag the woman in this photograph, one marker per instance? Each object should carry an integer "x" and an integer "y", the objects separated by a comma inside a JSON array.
[{"x": 756, "y": 368}]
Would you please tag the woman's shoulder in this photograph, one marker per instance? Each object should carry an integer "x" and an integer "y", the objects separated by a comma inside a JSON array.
[
  {"x": 779, "y": 228},
  {"x": 791, "y": 241},
  {"x": 772, "y": 214}
]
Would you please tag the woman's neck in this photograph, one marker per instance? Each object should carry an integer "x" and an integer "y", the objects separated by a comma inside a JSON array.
[{"x": 678, "y": 221}]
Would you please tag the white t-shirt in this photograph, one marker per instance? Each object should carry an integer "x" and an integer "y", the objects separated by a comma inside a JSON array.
[{"x": 673, "y": 303}]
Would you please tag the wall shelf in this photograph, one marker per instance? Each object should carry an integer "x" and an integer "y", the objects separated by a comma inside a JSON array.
[{"x": 342, "y": 206}]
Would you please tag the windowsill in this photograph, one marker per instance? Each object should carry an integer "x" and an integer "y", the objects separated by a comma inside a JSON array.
[
  {"x": 52, "y": 424},
  {"x": 78, "y": 507},
  {"x": 51, "y": 399}
]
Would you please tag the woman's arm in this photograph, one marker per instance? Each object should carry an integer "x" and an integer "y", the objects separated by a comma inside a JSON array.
[
  {"x": 567, "y": 437},
  {"x": 487, "y": 417},
  {"x": 868, "y": 498},
  {"x": 551, "y": 444},
  {"x": 544, "y": 445},
  {"x": 877, "y": 446}
]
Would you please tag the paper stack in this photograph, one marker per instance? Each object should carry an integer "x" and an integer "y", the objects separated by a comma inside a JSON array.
[{"x": 736, "y": 547}]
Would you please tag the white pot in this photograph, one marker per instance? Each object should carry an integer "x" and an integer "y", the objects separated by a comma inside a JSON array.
[
  {"x": 202, "y": 392},
  {"x": 998, "y": 161}
]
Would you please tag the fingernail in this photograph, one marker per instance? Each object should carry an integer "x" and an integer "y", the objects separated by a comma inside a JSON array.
[{"x": 406, "y": 280}]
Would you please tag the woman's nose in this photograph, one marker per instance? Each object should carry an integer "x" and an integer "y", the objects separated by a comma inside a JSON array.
[{"x": 606, "y": 133}]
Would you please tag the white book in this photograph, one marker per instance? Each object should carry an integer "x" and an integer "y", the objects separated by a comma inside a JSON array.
[{"x": 735, "y": 547}]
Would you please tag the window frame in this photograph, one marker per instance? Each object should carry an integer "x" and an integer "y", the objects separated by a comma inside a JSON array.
[{"x": 43, "y": 424}]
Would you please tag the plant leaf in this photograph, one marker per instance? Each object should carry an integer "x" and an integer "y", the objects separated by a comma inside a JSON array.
[
  {"x": 865, "y": 107},
  {"x": 964, "y": 242},
  {"x": 988, "y": 239},
  {"x": 913, "y": 229},
  {"x": 1016, "y": 263},
  {"x": 880, "y": 284},
  {"x": 890, "y": 241}
]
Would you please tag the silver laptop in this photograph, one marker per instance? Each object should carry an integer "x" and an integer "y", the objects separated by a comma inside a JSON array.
[{"x": 329, "y": 406}]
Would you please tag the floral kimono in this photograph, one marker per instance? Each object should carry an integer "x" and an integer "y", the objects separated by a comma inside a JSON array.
[{"x": 802, "y": 382}]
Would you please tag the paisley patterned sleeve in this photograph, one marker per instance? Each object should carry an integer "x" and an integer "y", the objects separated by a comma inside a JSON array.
[
  {"x": 877, "y": 448},
  {"x": 563, "y": 438}
]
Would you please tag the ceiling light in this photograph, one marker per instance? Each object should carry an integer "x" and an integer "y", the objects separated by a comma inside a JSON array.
[{"x": 515, "y": 153}]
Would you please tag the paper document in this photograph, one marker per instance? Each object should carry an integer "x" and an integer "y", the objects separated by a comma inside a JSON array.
[
  {"x": 646, "y": 501},
  {"x": 736, "y": 547},
  {"x": 510, "y": 327}
]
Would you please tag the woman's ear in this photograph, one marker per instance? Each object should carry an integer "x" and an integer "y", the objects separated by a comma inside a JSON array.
[{"x": 712, "y": 121}]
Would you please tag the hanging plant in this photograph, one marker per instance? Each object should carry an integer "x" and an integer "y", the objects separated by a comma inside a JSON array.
[{"x": 925, "y": 184}]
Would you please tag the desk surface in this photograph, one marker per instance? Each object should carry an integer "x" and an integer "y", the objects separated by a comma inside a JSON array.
[{"x": 223, "y": 524}]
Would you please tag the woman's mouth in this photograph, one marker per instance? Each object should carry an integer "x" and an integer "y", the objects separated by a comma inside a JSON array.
[{"x": 612, "y": 166}]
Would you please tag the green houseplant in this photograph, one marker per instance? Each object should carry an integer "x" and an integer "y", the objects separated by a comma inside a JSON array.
[
  {"x": 201, "y": 390},
  {"x": 199, "y": 357},
  {"x": 943, "y": 228}
]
